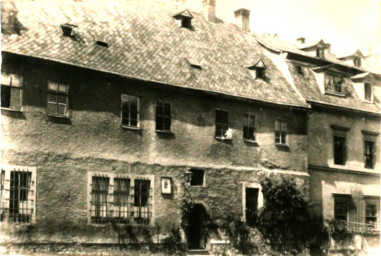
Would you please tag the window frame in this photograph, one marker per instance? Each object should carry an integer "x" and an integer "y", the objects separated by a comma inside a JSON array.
[
  {"x": 320, "y": 52},
  {"x": 372, "y": 200},
  {"x": 129, "y": 126},
  {"x": 246, "y": 125},
  {"x": 368, "y": 94},
  {"x": 342, "y": 199},
  {"x": 221, "y": 128},
  {"x": 12, "y": 104},
  {"x": 332, "y": 88},
  {"x": 163, "y": 116},
  {"x": 357, "y": 62},
  {"x": 112, "y": 212},
  {"x": 372, "y": 153},
  {"x": 344, "y": 150},
  {"x": 58, "y": 94},
  {"x": 282, "y": 132},
  {"x": 28, "y": 205},
  {"x": 193, "y": 170}
]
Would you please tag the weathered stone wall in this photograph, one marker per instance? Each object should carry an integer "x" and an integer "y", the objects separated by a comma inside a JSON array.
[{"x": 64, "y": 151}]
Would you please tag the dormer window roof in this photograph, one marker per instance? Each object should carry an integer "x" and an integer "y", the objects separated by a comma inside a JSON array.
[
  {"x": 185, "y": 19},
  {"x": 356, "y": 58},
  {"x": 68, "y": 29},
  {"x": 258, "y": 70}
]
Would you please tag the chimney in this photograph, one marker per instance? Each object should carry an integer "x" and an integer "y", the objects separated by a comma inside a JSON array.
[
  {"x": 242, "y": 19},
  {"x": 209, "y": 10},
  {"x": 301, "y": 40}
]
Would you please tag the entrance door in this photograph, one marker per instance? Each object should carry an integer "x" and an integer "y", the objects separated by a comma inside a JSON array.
[{"x": 197, "y": 229}]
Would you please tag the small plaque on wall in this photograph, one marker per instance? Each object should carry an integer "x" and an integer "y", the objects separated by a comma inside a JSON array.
[{"x": 166, "y": 185}]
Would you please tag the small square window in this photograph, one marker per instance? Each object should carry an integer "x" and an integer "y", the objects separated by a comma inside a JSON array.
[
  {"x": 163, "y": 116},
  {"x": 58, "y": 99},
  {"x": 197, "y": 178},
  {"x": 368, "y": 91},
  {"x": 130, "y": 111},
  {"x": 222, "y": 124},
  {"x": 280, "y": 132},
  {"x": 11, "y": 91}
]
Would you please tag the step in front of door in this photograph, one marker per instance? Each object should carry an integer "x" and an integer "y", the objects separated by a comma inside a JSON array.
[{"x": 197, "y": 252}]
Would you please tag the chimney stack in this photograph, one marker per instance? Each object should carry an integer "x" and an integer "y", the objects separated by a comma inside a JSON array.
[
  {"x": 209, "y": 10},
  {"x": 242, "y": 19},
  {"x": 301, "y": 40}
]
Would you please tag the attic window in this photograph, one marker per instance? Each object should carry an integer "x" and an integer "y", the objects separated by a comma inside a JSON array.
[
  {"x": 300, "y": 71},
  {"x": 101, "y": 43},
  {"x": 184, "y": 18},
  {"x": 320, "y": 53},
  {"x": 68, "y": 29},
  {"x": 357, "y": 62},
  {"x": 258, "y": 70}
]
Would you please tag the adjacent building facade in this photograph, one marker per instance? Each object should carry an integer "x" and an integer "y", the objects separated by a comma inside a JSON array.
[{"x": 116, "y": 114}]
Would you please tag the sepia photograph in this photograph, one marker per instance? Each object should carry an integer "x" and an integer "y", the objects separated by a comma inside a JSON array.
[{"x": 190, "y": 127}]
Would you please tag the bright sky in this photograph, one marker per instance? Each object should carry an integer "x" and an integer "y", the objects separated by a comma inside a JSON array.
[{"x": 347, "y": 24}]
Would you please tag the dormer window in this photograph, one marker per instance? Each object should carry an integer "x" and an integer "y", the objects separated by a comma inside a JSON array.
[
  {"x": 184, "y": 19},
  {"x": 68, "y": 29},
  {"x": 334, "y": 84},
  {"x": 258, "y": 71},
  {"x": 368, "y": 91},
  {"x": 320, "y": 53},
  {"x": 357, "y": 62}
]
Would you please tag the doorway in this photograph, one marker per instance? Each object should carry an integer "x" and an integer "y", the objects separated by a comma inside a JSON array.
[{"x": 197, "y": 236}]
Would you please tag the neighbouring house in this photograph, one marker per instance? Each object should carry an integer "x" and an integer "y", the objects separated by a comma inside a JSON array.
[
  {"x": 113, "y": 113},
  {"x": 343, "y": 136}
]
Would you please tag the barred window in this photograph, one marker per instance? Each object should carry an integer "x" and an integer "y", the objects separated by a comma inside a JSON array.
[
  {"x": 11, "y": 91},
  {"x": 334, "y": 83},
  {"x": 341, "y": 209},
  {"x": 163, "y": 116},
  {"x": 99, "y": 193},
  {"x": 130, "y": 111},
  {"x": 120, "y": 199},
  {"x": 371, "y": 212},
  {"x": 222, "y": 124},
  {"x": 249, "y": 128},
  {"x": 17, "y": 196},
  {"x": 280, "y": 132},
  {"x": 58, "y": 99}
]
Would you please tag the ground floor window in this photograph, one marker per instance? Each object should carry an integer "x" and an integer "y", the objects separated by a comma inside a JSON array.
[
  {"x": 17, "y": 194},
  {"x": 121, "y": 198}
]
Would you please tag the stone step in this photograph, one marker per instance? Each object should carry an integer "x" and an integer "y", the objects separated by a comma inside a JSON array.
[{"x": 197, "y": 252}]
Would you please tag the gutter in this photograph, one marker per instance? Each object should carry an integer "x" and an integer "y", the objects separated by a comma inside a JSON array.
[{"x": 328, "y": 105}]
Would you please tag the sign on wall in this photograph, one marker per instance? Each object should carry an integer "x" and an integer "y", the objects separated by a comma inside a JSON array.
[{"x": 166, "y": 185}]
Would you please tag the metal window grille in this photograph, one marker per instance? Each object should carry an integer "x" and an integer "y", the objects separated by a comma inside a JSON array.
[
  {"x": 19, "y": 207},
  {"x": 99, "y": 194},
  {"x": 249, "y": 128},
  {"x": 163, "y": 116},
  {"x": 11, "y": 91},
  {"x": 368, "y": 91},
  {"x": 280, "y": 132},
  {"x": 121, "y": 195},
  {"x": 57, "y": 99},
  {"x": 142, "y": 211},
  {"x": 222, "y": 123},
  {"x": 368, "y": 154},
  {"x": 130, "y": 111}
]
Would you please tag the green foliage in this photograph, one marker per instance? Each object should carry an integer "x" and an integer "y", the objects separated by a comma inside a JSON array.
[
  {"x": 172, "y": 245},
  {"x": 284, "y": 220}
]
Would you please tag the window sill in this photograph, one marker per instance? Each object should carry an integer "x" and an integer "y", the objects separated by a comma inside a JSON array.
[
  {"x": 368, "y": 101},
  {"x": 164, "y": 131},
  {"x": 281, "y": 145},
  {"x": 342, "y": 95},
  {"x": 57, "y": 116},
  {"x": 222, "y": 139},
  {"x": 254, "y": 142},
  {"x": 12, "y": 110},
  {"x": 135, "y": 128}
]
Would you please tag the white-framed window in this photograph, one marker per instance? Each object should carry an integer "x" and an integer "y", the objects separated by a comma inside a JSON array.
[
  {"x": 368, "y": 91},
  {"x": 252, "y": 200},
  {"x": 281, "y": 132},
  {"x": 222, "y": 125},
  {"x": 163, "y": 116},
  {"x": 58, "y": 99},
  {"x": 130, "y": 112},
  {"x": 11, "y": 91},
  {"x": 120, "y": 198},
  {"x": 334, "y": 84},
  {"x": 18, "y": 194}
]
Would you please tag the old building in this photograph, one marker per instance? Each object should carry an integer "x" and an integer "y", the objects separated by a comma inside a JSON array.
[
  {"x": 343, "y": 134},
  {"x": 114, "y": 113}
]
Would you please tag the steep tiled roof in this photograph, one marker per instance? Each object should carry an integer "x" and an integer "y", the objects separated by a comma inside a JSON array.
[{"x": 145, "y": 42}]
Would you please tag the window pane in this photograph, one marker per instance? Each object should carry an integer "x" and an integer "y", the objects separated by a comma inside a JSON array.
[
  {"x": 167, "y": 124},
  {"x": 16, "y": 81},
  {"x": 5, "y": 79},
  {"x": 63, "y": 88},
  {"x": 339, "y": 150},
  {"x": 52, "y": 108},
  {"x": 52, "y": 98},
  {"x": 99, "y": 193},
  {"x": 197, "y": 178},
  {"x": 5, "y": 96},
  {"x": 222, "y": 116},
  {"x": 61, "y": 110},
  {"x": 62, "y": 99},
  {"x": 15, "y": 98},
  {"x": 167, "y": 109},
  {"x": 53, "y": 87},
  {"x": 251, "y": 205},
  {"x": 159, "y": 123}
]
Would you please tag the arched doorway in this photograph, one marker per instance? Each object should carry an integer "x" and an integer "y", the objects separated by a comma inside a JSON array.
[{"x": 197, "y": 237}]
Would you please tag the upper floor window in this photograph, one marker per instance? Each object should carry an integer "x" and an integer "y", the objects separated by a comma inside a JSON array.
[
  {"x": 249, "y": 128},
  {"x": 320, "y": 52},
  {"x": 369, "y": 154},
  {"x": 11, "y": 91},
  {"x": 280, "y": 132},
  {"x": 222, "y": 125},
  {"x": 339, "y": 149},
  {"x": 18, "y": 202},
  {"x": 163, "y": 116},
  {"x": 357, "y": 62},
  {"x": 368, "y": 91},
  {"x": 130, "y": 111},
  {"x": 334, "y": 84},
  {"x": 58, "y": 99}
]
